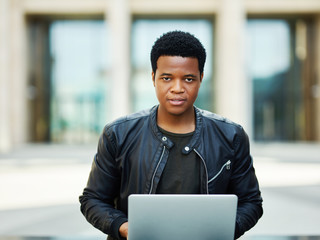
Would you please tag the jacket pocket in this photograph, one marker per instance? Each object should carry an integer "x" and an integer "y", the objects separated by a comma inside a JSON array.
[{"x": 226, "y": 166}]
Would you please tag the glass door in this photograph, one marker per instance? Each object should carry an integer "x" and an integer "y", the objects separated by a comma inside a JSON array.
[
  {"x": 79, "y": 90},
  {"x": 276, "y": 69}
]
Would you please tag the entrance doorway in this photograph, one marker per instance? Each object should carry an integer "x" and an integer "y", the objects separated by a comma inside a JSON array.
[
  {"x": 67, "y": 81},
  {"x": 279, "y": 66}
]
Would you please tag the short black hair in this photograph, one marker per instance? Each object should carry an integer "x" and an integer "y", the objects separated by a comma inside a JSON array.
[{"x": 178, "y": 43}]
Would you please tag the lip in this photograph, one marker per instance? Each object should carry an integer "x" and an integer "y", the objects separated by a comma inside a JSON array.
[{"x": 177, "y": 101}]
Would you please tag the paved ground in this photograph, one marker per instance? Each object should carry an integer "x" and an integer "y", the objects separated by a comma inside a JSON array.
[{"x": 40, "y": 185}]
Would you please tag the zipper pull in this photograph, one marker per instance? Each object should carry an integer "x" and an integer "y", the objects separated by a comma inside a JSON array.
[{"x": 228, "y": 165}]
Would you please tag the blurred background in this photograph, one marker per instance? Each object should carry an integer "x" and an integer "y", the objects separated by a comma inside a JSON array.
[{"x": 67, "y": 67}]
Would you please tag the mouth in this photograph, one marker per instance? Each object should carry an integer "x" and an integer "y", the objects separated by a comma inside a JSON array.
[{"x": 177, "y": 101}]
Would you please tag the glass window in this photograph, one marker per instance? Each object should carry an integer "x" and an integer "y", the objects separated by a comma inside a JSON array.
[
  {"x": 144, "y": 33},
  {"x": 276, "y": 75},
  {"x": 79, "y": 89}
]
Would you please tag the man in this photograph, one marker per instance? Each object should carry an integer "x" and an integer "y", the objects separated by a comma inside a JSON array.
[{"x": 173, "y": 147}]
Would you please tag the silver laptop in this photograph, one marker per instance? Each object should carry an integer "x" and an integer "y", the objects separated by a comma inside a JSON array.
[{"x": 185, "y": 217}]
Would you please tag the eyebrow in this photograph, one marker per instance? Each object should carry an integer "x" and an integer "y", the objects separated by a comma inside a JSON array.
[
  {"x": 166, "y": 74},
  {"x": 190, "y": 75},
  {"x": 187, "y": 75}
]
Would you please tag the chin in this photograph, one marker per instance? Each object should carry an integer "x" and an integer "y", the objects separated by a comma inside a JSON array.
[{"x": 176, "y": 112}]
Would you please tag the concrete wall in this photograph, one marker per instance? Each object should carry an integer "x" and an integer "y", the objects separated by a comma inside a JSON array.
[{"x": 5, "y": 136}]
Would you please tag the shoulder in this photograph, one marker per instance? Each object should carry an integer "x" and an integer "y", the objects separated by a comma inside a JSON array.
[
  {"x": 223, "y": 129},
  {"x": 218, "y": 120},
  {"x": 123, "y": 130},
  {"x": 129, "y": 122},
  {"x": 222, "y": 126}
]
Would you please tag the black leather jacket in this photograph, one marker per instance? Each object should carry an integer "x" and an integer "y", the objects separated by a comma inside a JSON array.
[{"x": 132, "y": 154}]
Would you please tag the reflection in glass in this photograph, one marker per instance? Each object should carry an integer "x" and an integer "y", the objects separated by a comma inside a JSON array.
[
  {"x": 144, "y": 33},
  {"x": 79, "y": 90},
  {"x": 276, "y": 79}
]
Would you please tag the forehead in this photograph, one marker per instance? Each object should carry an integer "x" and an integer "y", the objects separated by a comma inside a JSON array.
[{"x": 177, "y": 63}]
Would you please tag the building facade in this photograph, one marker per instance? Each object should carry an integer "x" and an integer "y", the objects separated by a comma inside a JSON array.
[{"x": 263, "y": 70}]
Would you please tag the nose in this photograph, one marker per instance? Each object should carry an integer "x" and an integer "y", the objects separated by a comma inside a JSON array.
[{"x": 177, "y": 86}]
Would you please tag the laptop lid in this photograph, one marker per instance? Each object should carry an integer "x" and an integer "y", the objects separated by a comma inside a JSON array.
[{"x": 185, "y": 217}]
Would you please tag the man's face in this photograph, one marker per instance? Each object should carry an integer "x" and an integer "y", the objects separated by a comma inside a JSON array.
[{"x": 177, "y": 81}]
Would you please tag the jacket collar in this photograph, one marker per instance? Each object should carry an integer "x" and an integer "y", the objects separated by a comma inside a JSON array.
[{"x": 167, "y": 142}]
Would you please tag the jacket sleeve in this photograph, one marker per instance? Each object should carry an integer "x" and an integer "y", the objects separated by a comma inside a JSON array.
[
  {"x": 102, "y": 190},
  {"x": 245, "y": 185}
]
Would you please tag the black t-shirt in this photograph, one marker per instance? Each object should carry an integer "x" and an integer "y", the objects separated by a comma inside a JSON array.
[{"x": 181, "y": 174}]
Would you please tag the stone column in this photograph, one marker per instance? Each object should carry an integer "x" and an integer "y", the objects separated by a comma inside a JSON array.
[
  {"x": 18, "y": 75},
  {"x": 233, "y": 89},
  {"x": 316, "y": 86},
  {"x": 118, "y": 16},
  {"x": 5, "y": 138}
]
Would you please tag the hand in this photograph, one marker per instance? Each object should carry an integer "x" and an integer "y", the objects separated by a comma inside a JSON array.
[{"x": 124, "y": 230}]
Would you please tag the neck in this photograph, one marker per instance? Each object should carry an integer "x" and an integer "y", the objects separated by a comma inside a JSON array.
[{"x": 176, "y": 123}]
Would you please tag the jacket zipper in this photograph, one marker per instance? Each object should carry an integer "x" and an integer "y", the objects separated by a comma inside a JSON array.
[
  {"x": 154, "y": 173},
  {"x": 226, "y": 165},
  {"x": 205, "y": 166}
]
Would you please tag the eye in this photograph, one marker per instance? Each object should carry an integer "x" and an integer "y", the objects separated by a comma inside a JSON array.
[
  {"x": 189, "y": 79},
  {"x": 166, "y": 78}
]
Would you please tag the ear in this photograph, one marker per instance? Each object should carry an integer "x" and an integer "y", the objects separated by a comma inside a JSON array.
[
  {"x": 153, "y": 79},
  {"x": 201, "y": 77}
]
